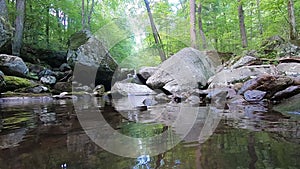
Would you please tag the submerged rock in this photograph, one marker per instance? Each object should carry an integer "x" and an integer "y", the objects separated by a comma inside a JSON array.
[
  {"x": 13, "y": 65},
  {"x": 194, "y": 71},
  {"x": 90, "y": 57}
]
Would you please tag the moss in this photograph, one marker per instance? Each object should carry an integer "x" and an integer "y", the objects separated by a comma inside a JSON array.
[
  {"x": 13, "y": 83},
  {"x": 78, "y": 39},
  {"x": 20, "y": 94}
]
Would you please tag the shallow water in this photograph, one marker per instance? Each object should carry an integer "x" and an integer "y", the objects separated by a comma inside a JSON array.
[{"x": 44, "y": 133}]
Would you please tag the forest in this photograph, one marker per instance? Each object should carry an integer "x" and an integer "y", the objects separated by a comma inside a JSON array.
[{"x": 223, "y": 25}]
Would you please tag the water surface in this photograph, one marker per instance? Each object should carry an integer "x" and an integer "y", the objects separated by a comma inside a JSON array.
[{"x": 44, "y": 133}]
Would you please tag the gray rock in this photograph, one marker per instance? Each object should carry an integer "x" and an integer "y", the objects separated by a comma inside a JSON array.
[
  {"x": 145, "y": 72},
  {"x": 49, "y": 80},
  {"x": 6, "y": 31},
  {"x": 254, "y": 95},
  {"x": 193, "y": 100},
  {"x": 38, "y": 89},
  {"x": 246, "y": 61},
  {"x": 290, "y": 69},
  {"x": 268, "y": 83},
  {"x": 149, "y": 102},
  {"x": 45, "y": 72},
  {"x": 162, "y": 98},
  {"x": 60, "y": 87},
  {"x": 13, "y": 65},
  {"x": 82, "y": 89},
  {"x": 125, "y": 89},
  {"x": 194, "y": 71},
  {"x": 227, "y": 77},
  {"x": 89, "y": 56},
  {"x": 64, "y": 67},
  {"x": 286, "y": 93}
]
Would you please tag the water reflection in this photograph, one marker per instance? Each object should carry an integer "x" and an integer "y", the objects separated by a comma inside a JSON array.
[{"x": 47, "y": 134}]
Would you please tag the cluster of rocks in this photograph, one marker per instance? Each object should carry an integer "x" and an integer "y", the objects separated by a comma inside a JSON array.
[
  {"x": 86, "y": 64},
  {"x": 198, "y": 78}
]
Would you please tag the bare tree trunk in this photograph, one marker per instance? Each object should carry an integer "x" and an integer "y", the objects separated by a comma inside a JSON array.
[
  {"x": 82, "y": 14},
  {"x": 259, "y": 17},
  {"x": 90, "y": 14},
  {"x": 3, "y": 9},
  {"x": 19, "y": 28},
  {"x": 193, "y": 24},
  {"x": 242, "y": 25},
  {"x": 48, "y": 27},
  {"x": 156, "y": 36},
  {"x": 292, "y": 20},
  {"x": 204, "y": 43}
]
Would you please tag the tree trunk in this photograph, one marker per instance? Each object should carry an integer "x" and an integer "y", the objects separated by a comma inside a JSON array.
[
  {"x": 242, "y": 25},
  {"x": 156, "y": 36},
  {"x": 3, "y": 9},
  {"x": 292, "y": 20},
  {"x": 82, "y": 14},
  {"x": 90, "y": 14},
  {"x": 204, "y": 43},
  {"x": 259, "y": 17},
  {"x": 193, "y": 24},
  {"x": 19, "y": 27},
  {"x": 48, "y": 27}
]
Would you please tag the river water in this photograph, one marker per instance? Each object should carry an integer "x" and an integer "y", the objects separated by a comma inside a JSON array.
[{"x": 41, "y": 133}]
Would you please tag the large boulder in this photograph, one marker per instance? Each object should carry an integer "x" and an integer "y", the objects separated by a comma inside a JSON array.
[
  {"x": 146, "y": 72},
  {"x": 13, "y": 65},
  {"x": 90, "y": 57},
  {"x": 6, "y": 32},
  {"x": 126, "y": 89},
  {"x": 186, "y": 70},
  {"x": 228, "y": 77}
]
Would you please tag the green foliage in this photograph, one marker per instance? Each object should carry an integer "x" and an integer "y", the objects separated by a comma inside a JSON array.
[{"x": 49, "y": 24}]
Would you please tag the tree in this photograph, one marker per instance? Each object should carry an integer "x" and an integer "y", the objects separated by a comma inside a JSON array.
[
  {"x": 292, "y": 20},
  {"x": 200, "y": 24},
  {"x": 156, "y": 36},
  {"x": 193, "y": 24},
  {"x": 3, "y": 9},
  {"x": 242, "y": 24},
  {"x": 19, "y": 28}
]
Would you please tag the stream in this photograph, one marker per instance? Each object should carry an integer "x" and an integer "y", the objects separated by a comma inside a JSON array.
[{"x": 42, "y": 133}]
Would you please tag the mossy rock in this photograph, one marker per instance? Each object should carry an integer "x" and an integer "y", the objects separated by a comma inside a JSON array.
[
  {"x": 14, "y": 83},
  {"x": 78, "y": 39}
]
